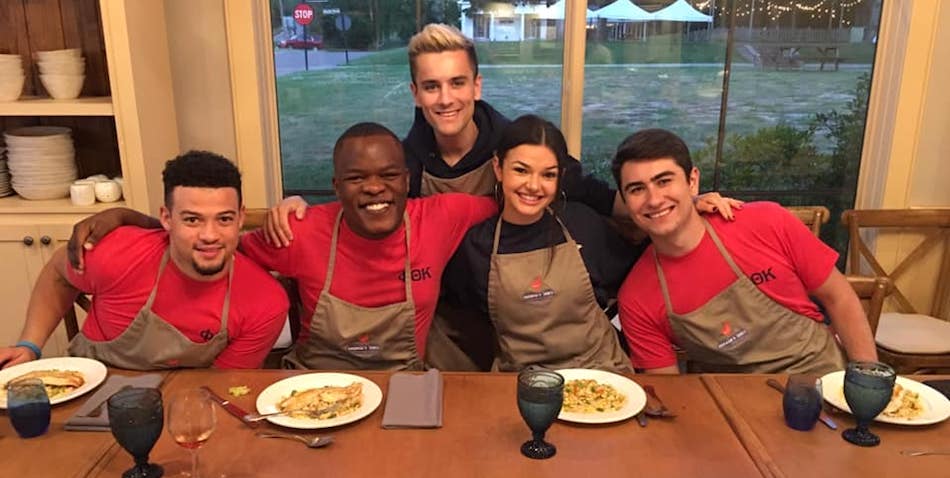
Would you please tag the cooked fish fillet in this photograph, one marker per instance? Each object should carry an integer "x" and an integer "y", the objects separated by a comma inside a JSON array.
[
  {"x": 55, "y": 378},
  {"x": 318, "y": 399}
]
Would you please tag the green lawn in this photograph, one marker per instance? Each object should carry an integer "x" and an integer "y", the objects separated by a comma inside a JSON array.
[{"x": 316, "y": 106}]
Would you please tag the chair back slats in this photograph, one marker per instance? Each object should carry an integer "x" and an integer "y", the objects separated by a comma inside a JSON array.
[
  {"x": 812, "y": 216},
  {"x": 872, "y": 291},
  {"x": 254, "y": 218},
  {"x": 933, "y": 223}
]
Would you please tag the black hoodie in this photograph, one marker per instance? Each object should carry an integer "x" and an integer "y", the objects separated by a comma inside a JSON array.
[{"x": 423, "y": 152}]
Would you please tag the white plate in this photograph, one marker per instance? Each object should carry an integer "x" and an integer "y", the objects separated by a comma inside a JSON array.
[
  {"x": 93, "y": 371},
  {"x": 269, "y": 398},
  {"x": 636, "y": 398},
  {"x": 936, "y": 405}
]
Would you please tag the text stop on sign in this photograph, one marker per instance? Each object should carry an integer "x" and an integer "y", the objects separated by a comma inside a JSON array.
[{"x": 303, "y": 14}]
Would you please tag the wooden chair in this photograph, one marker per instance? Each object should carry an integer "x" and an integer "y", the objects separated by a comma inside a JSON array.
[
  {"x": 907, "y": 339},
  {"x": 872, "y": 291},
  {"x": 254, "y": 218},
  {"x": 813, "y": 216}
]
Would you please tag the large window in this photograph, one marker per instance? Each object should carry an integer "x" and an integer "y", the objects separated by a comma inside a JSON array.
[{"x": 770, "y": 95}]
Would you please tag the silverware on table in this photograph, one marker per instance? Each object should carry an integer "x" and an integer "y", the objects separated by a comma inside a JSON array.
[
  {"x": 97, "y": 410},
  {"x": 256, "y": 417},
  {"x": 229, "y": 407},
  {"x": 924, "y": 452},
  {"x": 642, "y": 419},
  {"x": 312, "y": 442},
  {"x": 823, "y": 417},
  {"x": 655, "y": 407}
]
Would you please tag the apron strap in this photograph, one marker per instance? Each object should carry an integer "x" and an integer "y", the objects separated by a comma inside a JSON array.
[
  {"x": 161, "y": 268},
  {"x": 407, "y": 273},
  {"x": 722, "y": 249}
]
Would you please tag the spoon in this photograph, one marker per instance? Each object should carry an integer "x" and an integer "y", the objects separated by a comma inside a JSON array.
[
  {"x": 922, "y": 453},
  {"x": 315, "y": 442}
]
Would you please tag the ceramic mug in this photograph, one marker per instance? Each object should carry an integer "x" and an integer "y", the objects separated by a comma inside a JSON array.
[
  {"x": 82, "y": 193},
  {"x": 108, "y": 191}
]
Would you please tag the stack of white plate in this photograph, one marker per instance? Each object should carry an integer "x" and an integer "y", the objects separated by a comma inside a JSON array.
[
  {"x": 11, "y": 77},
  {"x": 5, "y": 189},
  {"x": 62, "y": 72},
  {"x": 42, "y": 161}
]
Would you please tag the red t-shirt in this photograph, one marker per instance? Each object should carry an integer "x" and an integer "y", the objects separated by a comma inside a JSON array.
[
  {"x": 368, "y": 272},
  {"x": 770, "y": 245},
  {"x": 120, "y": 273}
]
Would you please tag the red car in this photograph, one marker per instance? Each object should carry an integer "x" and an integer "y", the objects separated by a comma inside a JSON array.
[{"x": 298, "y": 42}]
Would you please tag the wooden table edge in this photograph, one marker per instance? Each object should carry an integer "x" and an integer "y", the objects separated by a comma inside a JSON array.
[{"x": 750, "y": 441}]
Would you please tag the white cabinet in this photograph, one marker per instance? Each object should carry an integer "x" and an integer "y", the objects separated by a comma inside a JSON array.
[{"x": 142, "y": 107}]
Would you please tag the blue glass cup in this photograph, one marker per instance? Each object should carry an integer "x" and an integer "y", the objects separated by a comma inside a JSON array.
[
  {"x": 801, "y": 402},
  {"x": 28, "y": 406},
  {"x": 540, "y": 396}
]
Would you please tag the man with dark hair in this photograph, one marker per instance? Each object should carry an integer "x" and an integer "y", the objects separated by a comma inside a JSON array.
[
  {"x": 735, "y": 295},
  {"x": 179, "y": 296},
  {"x": 369, "y": 266}
]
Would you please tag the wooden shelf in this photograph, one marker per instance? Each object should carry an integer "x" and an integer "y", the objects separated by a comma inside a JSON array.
[
  {"x": 37, "y": 106},
  {"x": 17, "y": 205}
]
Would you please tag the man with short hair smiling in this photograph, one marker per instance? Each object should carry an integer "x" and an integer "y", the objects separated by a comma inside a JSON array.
[
  {"x": 179, "y": 296},
  {"x": 735, "y": 295}
]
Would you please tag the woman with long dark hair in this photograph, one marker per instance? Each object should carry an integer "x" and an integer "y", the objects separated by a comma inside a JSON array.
[{"x": 543, "y": 269}]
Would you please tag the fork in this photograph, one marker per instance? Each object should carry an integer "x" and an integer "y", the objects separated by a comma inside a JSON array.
[
  {"x": 315, "y": 442},
  {"x": 922, "y": 452},
  {"x": 658, "y": 410},
  {"x": 97, "y": 410}
]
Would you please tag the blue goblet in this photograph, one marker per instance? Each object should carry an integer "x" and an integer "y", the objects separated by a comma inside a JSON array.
[
  {"x": 867, "y": 389},
  {"x": 540, "y": 396},
  {"x": 136, "y": 418}
]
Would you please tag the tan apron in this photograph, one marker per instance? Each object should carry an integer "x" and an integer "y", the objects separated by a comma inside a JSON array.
[
  {"x": 447, "y": 337},
  {"x": 549, "y": 315},
  {"x": 479, "y": 182},
  {"x": 345, "y": 336},
  {"x": 151, "y": 343},
  {"x": 743, "y": 330}
]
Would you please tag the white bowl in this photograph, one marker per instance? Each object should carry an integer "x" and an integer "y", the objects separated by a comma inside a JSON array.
[
  {"x": 42, "y": 192},
  {"x": 54, "y": 54},
  {"x": 62, "y": 68},
  {"x": 34, "y": 133},
  {"x": 63, "y": 87},
  {"x": 11, "y": 87}
]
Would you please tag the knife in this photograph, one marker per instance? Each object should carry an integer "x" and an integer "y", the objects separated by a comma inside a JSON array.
[
  {"x": 822, "y": 416},
  {"x": 230, "y": 407}
]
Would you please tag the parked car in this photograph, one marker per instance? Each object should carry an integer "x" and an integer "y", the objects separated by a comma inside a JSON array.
[{"x": 298, "y": 42}]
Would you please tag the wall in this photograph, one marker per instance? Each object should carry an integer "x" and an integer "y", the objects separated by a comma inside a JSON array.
[{"x": 197, "y": 47}]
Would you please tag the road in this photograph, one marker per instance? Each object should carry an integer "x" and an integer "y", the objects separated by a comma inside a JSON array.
[{"x": 290, "y": 61}]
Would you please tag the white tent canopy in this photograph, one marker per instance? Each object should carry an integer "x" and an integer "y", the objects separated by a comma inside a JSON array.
[
  {"x": 556, "y": 12},
  {"x": 680, "y": 11},
  {"x": 624, "y": 10}
]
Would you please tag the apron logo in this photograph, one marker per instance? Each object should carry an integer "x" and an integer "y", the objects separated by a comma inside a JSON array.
[
  {"x": 172, "y": 362},
  {"x": 729, "y": 339},
  {"x": 363, "y": 348},
  {"x": 539, "y": 293}
]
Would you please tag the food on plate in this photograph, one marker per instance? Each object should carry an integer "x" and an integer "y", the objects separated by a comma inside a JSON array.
[
  {"x": 323, "y": 403},
  {"x": 904, "y": 403},
  {"x": 239, "y": 391},
  {"x": 589, "y": 396},
  {"x": 57, "y": 382}
]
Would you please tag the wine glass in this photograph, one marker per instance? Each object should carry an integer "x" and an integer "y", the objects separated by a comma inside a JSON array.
[
  {"x": 136, "y": 418},
  {"x": 28, "y": 406},
  {"x": 867, "y": 389},
  {"x": 540, "y": 396},
  {"x": 190, "y": 421}
]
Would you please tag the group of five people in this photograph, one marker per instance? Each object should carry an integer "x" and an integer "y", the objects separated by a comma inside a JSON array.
[{"x": 417, "y": 265}]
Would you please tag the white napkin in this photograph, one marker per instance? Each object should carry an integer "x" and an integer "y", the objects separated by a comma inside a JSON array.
[{"x": 80, "y": 422}]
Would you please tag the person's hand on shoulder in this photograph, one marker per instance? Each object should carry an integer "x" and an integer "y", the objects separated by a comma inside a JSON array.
[
  {"x": 10, "y": 356},
  {"x": 277, "y": 230},
  {"x": 714, "y": 202},
  {"x": 91, "y": 230}
]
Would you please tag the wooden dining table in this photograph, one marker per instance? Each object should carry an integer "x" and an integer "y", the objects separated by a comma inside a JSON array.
[
  {"x": 726, "y": 425},
  {"x": 755, "y": 412}
]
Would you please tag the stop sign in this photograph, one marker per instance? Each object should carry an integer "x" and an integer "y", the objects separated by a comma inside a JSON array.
[{"x": 303, "y": 14}]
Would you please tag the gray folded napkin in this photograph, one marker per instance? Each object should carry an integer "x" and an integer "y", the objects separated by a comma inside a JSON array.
[
  {"x": 80, "y": 422},
  {"x": 414, "y": 401}
]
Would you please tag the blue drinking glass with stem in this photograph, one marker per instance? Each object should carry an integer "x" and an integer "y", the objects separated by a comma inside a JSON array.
[
  {"x": 28, "y": 407},
  {"x": 867, "y": 389},
  {"x": 540, "y": 396},
  {"x": 136, "y": 418}
]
